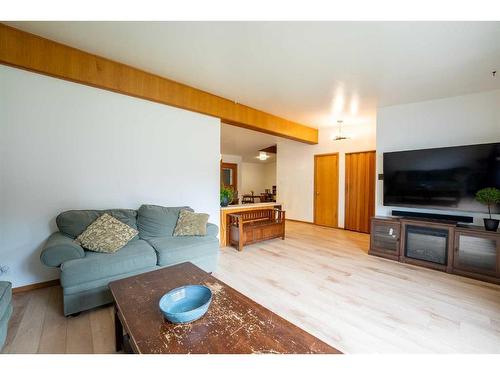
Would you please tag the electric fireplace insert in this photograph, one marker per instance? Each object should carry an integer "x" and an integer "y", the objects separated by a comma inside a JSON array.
[{"x": 427, "y": 244}]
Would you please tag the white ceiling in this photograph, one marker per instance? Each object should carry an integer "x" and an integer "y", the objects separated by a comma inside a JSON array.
[
  {"x": 246, "y": 143},
  {"x": 310, "y": 72}
]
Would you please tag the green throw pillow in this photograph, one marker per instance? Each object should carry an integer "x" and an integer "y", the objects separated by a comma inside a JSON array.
[
  {"x": 106, "y": 235},
  {"x": 191, "y": 224}
]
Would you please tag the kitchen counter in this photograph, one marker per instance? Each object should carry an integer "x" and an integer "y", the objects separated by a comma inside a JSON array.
[{"x": 250, "y": 205}]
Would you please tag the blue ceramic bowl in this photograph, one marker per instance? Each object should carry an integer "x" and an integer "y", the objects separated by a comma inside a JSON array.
[{"x": 186, "y": 304}]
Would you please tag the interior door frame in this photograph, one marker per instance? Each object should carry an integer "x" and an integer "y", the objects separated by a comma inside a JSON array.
[
  {"x": 315, "y": 185},
  {"x": 234, "y": 168},
  {"x": 345, "y": 184}
]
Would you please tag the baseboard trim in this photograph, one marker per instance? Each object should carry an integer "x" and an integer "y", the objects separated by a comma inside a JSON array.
[
  {"x": 300, "y": 221},
  {"x": 312, "y": 223},
  {"x": 27, "y": 288}
]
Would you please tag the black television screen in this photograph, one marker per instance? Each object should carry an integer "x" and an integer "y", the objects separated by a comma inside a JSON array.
[{"x": 443, "y": 178}]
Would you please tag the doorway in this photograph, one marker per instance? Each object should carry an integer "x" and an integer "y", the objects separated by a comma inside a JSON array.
[
  {"x": 326, "y": 189},
  {"x": 229, "y": 178},
  {"x": 359, "y": 190}
]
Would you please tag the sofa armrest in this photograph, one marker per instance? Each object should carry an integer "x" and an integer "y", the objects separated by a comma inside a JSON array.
[
  {"x": 59, "y": 249},
  {"x": 212, "y": 230}
]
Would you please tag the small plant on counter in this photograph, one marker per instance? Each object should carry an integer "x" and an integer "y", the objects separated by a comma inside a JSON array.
[
  {"x": 489, "y": 197},
  {"x": 226, "y": 195}
]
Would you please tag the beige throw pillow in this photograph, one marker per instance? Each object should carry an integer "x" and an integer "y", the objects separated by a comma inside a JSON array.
[
  {"x": 191, "y": 224},
  {"x": 106, "y": 235}
]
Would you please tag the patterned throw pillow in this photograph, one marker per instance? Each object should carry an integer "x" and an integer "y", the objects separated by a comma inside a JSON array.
[
  {"x": 106, "y": 235},
  {"x": 191, "y": 224}
]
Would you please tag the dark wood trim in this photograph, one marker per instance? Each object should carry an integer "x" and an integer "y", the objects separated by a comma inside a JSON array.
[
  {"x": 34, "y": 53},
  {"x": 271, "y": 149},
  {"x": 234, "y": 168},
  {"x": 27, "y": 288},
  {"x": 476, "y": 276}
]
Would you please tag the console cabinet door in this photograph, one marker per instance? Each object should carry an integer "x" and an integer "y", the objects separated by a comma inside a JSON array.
[
  {"x": 384, "y": 237},
  {"x": 476, "y": 253}
]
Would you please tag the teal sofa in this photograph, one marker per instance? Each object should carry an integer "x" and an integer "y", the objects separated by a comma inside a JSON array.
[
  {"x": 5, "y": 309},
  {"x": 85, "y": 275}
]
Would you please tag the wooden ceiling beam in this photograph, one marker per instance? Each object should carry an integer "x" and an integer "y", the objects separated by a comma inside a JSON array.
[{"x": 34, "y": 53}]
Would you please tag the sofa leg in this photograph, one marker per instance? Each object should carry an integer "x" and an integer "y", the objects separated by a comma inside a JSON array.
[{"x": 74, "y": 315}]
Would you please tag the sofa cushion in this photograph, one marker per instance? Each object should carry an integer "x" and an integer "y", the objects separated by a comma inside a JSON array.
[
  {"x": 191, "y": 224},
  {"x": 135, "y": 255},
  {"x": 106, "y": 235},
  {"x": 157, "y": 221},
  {"x": 173, "y": 250},
  {"x": 74, "y": 222},
  {"x": 5, "y": 297}
]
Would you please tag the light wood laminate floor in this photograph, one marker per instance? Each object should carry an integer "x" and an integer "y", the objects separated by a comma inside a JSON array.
[{"x": 322, "y": 280}]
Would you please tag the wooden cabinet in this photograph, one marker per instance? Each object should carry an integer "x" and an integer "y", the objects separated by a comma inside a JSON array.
[
  {"x": 468, "y": 251},
  {"x": 385, "y": 238},
  {"x": 477, "y": 254}
]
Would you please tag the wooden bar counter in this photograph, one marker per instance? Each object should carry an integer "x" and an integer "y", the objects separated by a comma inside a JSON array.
[{"x": 224, "y": 211}]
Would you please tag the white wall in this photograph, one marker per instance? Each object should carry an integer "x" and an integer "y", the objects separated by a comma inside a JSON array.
[
  {"x": 68, "y": 146},
  {"x": 270, "y": 175},
  {"x": 252, "y": 176},
  {"x": 455, "y": 121},
  {"x": 295, "y": 168}
]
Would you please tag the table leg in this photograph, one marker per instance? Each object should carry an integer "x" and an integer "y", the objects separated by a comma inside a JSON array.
[{"x": 118, "y": 332}]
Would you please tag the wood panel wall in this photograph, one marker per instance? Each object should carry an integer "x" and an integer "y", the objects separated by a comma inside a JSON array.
[
  {"x": 31, "y": 52},
  {"x": 359, "y": 190}
]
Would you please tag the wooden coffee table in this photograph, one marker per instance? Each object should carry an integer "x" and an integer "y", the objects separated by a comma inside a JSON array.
[{"x": 233, "y": 324}]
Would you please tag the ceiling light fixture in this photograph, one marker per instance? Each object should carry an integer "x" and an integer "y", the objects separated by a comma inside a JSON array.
[
  {"x": 263, "y": 156},
  {"x": 340, "y": 137}
]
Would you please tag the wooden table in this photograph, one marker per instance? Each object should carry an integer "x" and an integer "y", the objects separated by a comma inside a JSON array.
[{"x": 233, "y": 324}]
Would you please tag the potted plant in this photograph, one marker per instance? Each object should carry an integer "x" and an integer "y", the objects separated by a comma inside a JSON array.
[
  {"x": 226, "y": 195},
  {"x": 489, "y": 196}
]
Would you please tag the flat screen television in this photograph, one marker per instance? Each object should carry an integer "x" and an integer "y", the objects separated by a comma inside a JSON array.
[{"x": 442, "y": 178}]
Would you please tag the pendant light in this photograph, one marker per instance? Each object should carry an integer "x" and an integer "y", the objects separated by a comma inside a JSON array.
[{"x": 340, "y": 137}]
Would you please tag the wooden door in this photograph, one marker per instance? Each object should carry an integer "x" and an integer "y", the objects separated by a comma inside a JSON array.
[
  {"x": 359, "y": 190},
  {"x": 326, "y": 189}
]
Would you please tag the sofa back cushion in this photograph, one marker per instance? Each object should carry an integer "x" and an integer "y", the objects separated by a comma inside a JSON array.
[
  {"x": 73, "y": 223},
  {"x": 157, "y": 221}
]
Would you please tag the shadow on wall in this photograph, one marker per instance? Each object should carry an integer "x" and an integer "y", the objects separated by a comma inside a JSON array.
[{"x": 32, "y": 265}]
